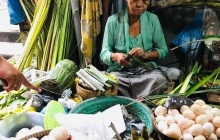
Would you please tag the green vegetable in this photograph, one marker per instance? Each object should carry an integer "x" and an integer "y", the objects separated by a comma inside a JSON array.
[{"x": 64, "y": 73}]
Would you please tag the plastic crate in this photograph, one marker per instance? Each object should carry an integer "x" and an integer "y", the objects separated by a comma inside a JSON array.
[{"x": 34, "y": 76}]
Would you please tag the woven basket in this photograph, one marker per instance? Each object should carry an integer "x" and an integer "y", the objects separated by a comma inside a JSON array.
[
  {"x": 86, "y": 94},
  {"x": 99, "y": 104},
  {"x": 160, "y": 135},
  {"x": 38, "y": 135}
]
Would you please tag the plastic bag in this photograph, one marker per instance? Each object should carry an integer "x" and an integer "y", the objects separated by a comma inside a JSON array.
[
  {"x": 84, "y": 126},
  {"x": 211, "y": 30},
  {"x": 16, "y": 12},
  {"x": 212, "y": 34},
  {"x": 176, "y": 102},
  {"x": 211, "y": 25},
  {"x": 93, "y": 126},
  {"x": 193, "y": 31}
]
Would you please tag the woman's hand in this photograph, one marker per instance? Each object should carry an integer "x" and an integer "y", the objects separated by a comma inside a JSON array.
[
  {"x": 121, "y": 59},
  {"x": 12, "y": 78},
  {"x": 138, "y": 52}
]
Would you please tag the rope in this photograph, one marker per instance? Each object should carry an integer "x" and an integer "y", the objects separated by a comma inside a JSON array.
[{"x": 143, "y": 98}]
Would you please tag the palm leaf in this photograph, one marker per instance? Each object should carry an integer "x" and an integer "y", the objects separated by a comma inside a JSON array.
[{"x": 202, "y": 82}]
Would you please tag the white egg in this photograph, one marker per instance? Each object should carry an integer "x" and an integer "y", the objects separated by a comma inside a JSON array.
[
  {"x": 22, "y": 133},
  {"x": 164, "y": 110},
  {"x": 200, "y": 102},
  {"x": 160, "y": 118},
  {"x": 183, "y": 108},
  {"x": 178, "y": 116},
  {"x": 197, "y": 109},
  {"x": 208, "y": 128},
  {"x": 215, "y": 112},
  {"x": 206, "y": 107},
  {"x": 169, "y": 120},
  {"x": 209, "y": 114},
  {"x": 189, "y": 114},
  {"x": 192, "y": 122},
  {"x": 187, "y": 136},
  {"x": 159, "y": 110},
  {"x": 200, "y": 137},
  {"x": 173, "y": 133},
  {"x": 184, "y": 123},
  {"x": 162, "y": 126},
  {"x": 60, "y": 133},
  {"x": 33, "y": 139},
  {"x": 165, "y": 131},
  {"x": 175, "y": 126},
  {"x": 212, "y": 137},
  {"x": 173, "y": 112},
  {"x": 36, "y": 129},
  {"x": 217, "y": 132},
  {"x": 196, "y": 129},
  {"x": 201, "y": 119},
  {"x": 216, "y": 121}
]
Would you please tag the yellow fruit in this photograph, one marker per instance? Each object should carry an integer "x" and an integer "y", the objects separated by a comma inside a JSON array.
[
  {"x": 32, "y": 109},
  {"x": 18, "y": 110},
  {"x": 77, "y": 99}
]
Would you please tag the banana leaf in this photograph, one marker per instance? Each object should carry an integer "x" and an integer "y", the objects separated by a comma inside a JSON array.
[{"x": 202, "y": 82}]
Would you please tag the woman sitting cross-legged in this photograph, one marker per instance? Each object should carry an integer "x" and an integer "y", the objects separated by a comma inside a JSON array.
[{"x": 131, "y": 35}]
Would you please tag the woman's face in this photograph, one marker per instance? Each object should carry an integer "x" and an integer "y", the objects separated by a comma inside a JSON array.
[{"x": 137, "y": 7}]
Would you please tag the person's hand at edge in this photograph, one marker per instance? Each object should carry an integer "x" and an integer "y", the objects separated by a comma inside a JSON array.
[{"x": 12, "y": 78}]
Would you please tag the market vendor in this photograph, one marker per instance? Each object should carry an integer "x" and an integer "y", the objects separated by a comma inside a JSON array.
[
  {"x": 12, "y": 78},
  {"x": 136, "y": 32}
]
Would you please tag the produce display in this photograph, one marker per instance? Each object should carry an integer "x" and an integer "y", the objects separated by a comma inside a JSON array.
[
  {"x": 51, "y": 130},
  {"x": 49, "y": 47},
  {"x": 190, "y": 121},
  {"x": 199, "y": 121}
]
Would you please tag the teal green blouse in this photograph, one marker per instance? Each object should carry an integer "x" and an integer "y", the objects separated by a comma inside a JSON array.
[
  {"x": 134, "y": 42},
  {"x": 117, "y": 39}
]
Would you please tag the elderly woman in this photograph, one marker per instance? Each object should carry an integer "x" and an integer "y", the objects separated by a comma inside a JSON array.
[{"x": 134, "y": 32}]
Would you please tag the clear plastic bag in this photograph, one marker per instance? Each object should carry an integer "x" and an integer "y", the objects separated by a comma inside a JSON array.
[
  {"x": 211, "y": 31},
  {"x": 211, "y": 23}
]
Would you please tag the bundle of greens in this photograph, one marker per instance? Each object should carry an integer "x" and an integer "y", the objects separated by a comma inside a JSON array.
[
  {"x": 51, "y": 37},
  {"x": 15, "y": 102},
  {"x": 95, "y": 79}
]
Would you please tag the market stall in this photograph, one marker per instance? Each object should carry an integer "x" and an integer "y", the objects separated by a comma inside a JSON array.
[{"x": 80, "y": 100}]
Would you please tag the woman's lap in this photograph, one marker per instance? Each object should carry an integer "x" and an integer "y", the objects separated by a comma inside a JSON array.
[{"x": 141, "y": 85}]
